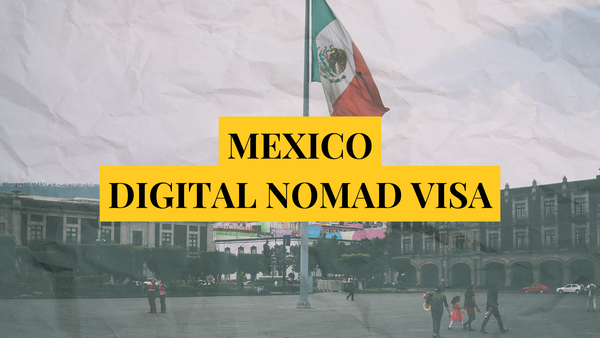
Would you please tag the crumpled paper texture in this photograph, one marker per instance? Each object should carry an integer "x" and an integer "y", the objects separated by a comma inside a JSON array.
[{"x": 85, "y": 84}]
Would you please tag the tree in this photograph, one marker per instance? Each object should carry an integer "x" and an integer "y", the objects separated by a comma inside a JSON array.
[
  {"x": 7, "y": 255},
  {"x": 192, "y": 269},
  {"x": 327, "y": 253},
  {"x": 356, "y": 265},
  {"x": 266, "y": 258},
  {"x": 231, "y": 266},
  {"x": 141, "y": 254},
  {"x": 213, "y": 263},
  {"x": 295, "y": 253},
  {"x": 283, "y": 260},
  {"x": 377, "y": 249},
  {"x": 250, "y": 263},
  {"x": 168, "y": 262},
  {"x": 54, "y": 257},
  {"x": 22, "y": 255},
  {"x": 400, "y": 264},
  {"x": 116, "y": 260}
]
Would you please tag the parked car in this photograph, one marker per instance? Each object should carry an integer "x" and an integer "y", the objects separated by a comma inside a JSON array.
[
  {"x": 227, "y": 282},
  {"x": 569, "y": 288},
  {"x": 536, "y": 288}
]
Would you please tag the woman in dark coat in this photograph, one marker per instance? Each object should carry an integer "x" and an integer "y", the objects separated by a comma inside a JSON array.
[{"x": 470, "y": 306}]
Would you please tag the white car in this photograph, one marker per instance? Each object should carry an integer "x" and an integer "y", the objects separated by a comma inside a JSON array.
[
  {"x": 569, "y": 288},
  {"x": 149, "y": 281}
]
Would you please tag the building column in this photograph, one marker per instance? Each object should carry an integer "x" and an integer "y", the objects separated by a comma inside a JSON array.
[
  {"x": 15, "y": 227},
  {"x": 482, "y": 276},
  {"x": 475, "y": 272},
  {"x": 596, "y": 258},
  {"x": 418, "y": 273},
  {"x": 507, "y": 277},
  {"x": 536, "y": 275},
  {"x": 444, "y": 274},
  {"x": 566, "y": 275}
]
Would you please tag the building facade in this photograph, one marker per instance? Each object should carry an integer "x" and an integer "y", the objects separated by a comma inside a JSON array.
[
  {"x": 548, "y": 234},
  {"x": 76, "y": 220}
]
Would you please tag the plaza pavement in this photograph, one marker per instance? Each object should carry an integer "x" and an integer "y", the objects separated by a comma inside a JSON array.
[{"x": 331, "y": 315}]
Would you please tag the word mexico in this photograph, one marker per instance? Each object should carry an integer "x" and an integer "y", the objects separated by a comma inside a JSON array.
[
  {"x": 270, "y": 146},
  {"x": 299, "y": 169}
]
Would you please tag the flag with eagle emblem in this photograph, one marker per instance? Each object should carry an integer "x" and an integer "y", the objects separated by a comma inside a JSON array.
[{"x": 347, "y": 82}]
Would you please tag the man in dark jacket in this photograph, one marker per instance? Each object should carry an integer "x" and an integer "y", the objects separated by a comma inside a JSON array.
[
  {"x": 438, "y": 301},
  {"x": 350, "y": 289},
  {"x": 492, "y": 309}
]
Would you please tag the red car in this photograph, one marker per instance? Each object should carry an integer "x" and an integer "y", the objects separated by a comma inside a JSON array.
[
  {"x": 536, "y": 288},
  {"x": 228, "y": 282}
]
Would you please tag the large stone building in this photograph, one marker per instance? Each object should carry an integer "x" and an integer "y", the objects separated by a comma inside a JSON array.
[
  {"x": 76, "y": 220},
  {"x": 548, "y": 234}
]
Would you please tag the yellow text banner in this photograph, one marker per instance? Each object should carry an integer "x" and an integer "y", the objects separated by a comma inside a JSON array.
[{"x": 300, "y": 192}]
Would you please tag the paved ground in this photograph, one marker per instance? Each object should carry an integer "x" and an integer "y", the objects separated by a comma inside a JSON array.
[{"x": 370, "y": 315}]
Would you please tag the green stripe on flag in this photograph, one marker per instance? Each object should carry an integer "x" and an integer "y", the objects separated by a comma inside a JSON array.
[{"x": 321, "y": 17}]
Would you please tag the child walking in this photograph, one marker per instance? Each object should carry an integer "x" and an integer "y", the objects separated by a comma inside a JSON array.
[{"x": 456, "y": 313}]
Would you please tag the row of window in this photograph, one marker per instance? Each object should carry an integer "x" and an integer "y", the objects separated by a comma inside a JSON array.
[
  {"x": 106, "y": 235},
  {"x": 241, "y": 250},
  {"x": 580, "y": 240},
  {"x": 192, "y": 240},
  {"x": 579, "y": 209},
  {"x": 40, "y": 219},
  {"x": 166, "y": 226}
]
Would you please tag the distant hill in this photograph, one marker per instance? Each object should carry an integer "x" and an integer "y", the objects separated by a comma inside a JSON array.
[{"x": 54, "y": 190}]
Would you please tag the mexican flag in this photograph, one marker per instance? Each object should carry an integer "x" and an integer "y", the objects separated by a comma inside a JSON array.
[{"x": 336, "y": 63}]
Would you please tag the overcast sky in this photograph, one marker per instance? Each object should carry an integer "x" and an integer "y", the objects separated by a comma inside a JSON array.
[{"x": 514, "y": 84}]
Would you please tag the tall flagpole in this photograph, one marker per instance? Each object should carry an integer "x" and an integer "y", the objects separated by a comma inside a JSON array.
[
  {"x": 304, "y": 280},
  {"x": 306, "y": 57}
]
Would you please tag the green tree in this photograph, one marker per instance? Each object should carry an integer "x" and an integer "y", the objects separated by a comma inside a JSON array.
[
  {"x": 377, "y": 249},
  {"x": 400, "y": 265},
  {"x": 213, "y": 263},
  {"x": 116, "y": 260},
  {"x": 231, "y": 266},
  {"x": 53, "y": 257},
  {"x": 168, "y": 262},
  {"x": 356, "y": 265},
  {"x": 7, "y": 255},
  {"x": 267, "y": 252},
  {"x": 327, "y": 252},
  {"x": 22, "y": 255},
  {"x": 295, "y": 254},
  {"x": 284, "y": 259},
  {"x": 141, "y": 254},
  {"x": 192, "y": 268},
  {"x": 250, "y": 263}
]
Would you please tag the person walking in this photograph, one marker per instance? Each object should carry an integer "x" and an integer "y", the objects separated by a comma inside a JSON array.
[
  {"x": 492, "y": 306},
  {"x": 470, "y": 306},
  {"x": 456, "y": 312},
  {"x": 438, "y": 301},
  {"x": 162, "y": 290},
  {"x": 592, "y": 290},
  {"x": 151, "y": 293},
  {"x": 351, "y": 288}
]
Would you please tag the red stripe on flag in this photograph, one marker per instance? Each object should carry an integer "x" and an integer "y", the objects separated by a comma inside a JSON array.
[{"x": 361, "y": 97}]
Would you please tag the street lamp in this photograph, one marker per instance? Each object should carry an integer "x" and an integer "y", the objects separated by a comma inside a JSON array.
[
  {"x": 273, "y": 265},
  {"x": 444, "y": 249}
]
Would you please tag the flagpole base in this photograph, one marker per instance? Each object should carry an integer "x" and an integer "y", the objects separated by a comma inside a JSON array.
[{"x": 303, "y": 305}]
